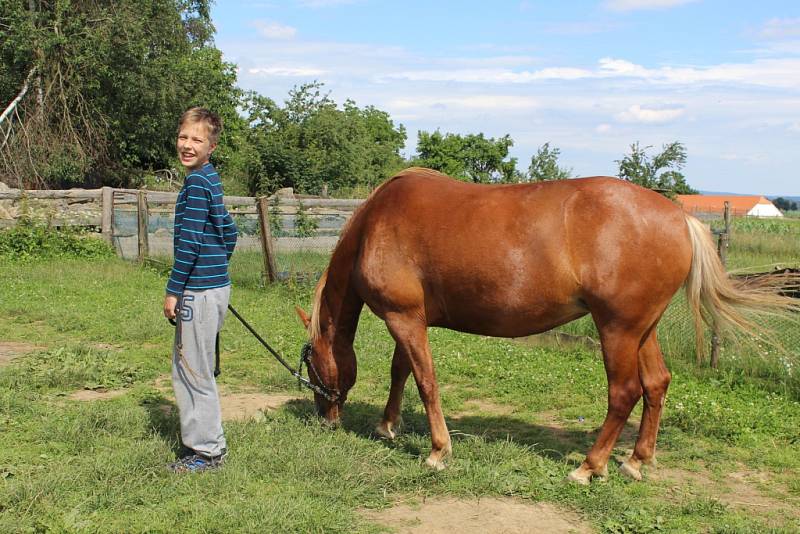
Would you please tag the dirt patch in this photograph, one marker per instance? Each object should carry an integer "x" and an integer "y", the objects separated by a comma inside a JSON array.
[
  {"x": 12, "y": 349},
  {"x": 164, "y": 384},
  {"x": 482, "y": 516},
  {"x": 738, "y": 489},
  {"x": 479, "y": 406},
  {"x": 236, "y": 406},
  {"x": 244, "y": 406},
  {"x": 96, "y": 394}
]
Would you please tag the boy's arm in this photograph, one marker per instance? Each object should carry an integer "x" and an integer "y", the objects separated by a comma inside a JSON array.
[
  {"x": 190, "y": 238},
  {"x": 229, "y": 234}
]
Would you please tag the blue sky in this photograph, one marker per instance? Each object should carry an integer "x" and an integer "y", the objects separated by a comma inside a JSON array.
[{"x": 590, "y": 77}]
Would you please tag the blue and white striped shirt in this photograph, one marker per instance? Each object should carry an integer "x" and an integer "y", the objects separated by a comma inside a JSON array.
[{"x": 205, "y": 234}]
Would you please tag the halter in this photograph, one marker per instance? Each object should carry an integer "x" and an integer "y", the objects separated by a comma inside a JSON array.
[{"x": 332, "y": 395}]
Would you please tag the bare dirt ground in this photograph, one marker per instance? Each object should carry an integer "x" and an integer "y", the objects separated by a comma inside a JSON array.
[
  {"x": 96, "y": 394},
  {"x": 478, "y": 516},
  {"x": 738, "y": 489},
  {"x": 236, "y": 406},
  {"x": 12, "y": 349}
]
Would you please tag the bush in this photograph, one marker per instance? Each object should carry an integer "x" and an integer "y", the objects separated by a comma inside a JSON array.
[{"x": 31, "y": 240}]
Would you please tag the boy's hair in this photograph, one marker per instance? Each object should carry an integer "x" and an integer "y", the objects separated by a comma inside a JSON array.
[{"x": 212, "y": 120}]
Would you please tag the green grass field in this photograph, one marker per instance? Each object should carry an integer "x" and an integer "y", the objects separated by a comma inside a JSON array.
[{"x": 521, "y": 418}]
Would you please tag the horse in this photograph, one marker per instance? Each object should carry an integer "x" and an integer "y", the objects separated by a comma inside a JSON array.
[{"x": 511, "y": 261}]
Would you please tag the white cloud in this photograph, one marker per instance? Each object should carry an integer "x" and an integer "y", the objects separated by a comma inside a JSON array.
[
  {"x": 779, "y": 73},
  {"x": 286, "y": 71},
  {"x": 274, "y": 30},
  {"x": 472, "y": 102},
  {"x": 780, "y": 29},
  {"x": 603, "y": 128},
  {"x": 634, "y": 5},
  {"x": 637, "y": 113}
]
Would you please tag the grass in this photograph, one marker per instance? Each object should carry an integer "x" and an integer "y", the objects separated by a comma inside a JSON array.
[{"x": 70, "y": 466}]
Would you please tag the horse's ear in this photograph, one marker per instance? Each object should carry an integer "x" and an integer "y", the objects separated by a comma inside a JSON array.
[{"x": 303, "y": 316}]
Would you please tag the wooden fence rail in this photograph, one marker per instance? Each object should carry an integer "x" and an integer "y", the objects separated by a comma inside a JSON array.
[{"x": 145, "y": 202}]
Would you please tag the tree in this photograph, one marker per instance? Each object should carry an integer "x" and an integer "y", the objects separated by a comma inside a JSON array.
[
  {"x": 785, "y": 204},
  {"x": 661, "y": 173},
  {"x": 471, "y": 158},
  {"x": 310, "y": 141},
  {"x": 111, "y": 80},
  {"x": 544, "y": 165}
]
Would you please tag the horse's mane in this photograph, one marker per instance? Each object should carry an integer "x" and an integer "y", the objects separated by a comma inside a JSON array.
[{"x": 314, "y": 329}]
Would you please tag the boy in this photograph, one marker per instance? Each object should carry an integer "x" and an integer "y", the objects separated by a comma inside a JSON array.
[{"x": 198, "y": 291}]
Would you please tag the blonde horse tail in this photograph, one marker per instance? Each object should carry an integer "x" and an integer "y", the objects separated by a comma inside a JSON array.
[{"x": 732, "y": 305}]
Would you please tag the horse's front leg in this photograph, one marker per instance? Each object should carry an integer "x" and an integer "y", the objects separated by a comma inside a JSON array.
[
  {"x": 411, "y": 335},
  {"x": 401, "y": 368}
]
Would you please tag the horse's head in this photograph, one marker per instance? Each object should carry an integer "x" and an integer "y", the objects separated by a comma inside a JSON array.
[{"x": 331, "y": 367}]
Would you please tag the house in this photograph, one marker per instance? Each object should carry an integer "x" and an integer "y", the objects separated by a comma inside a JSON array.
[{"x": 751, "y": 205}]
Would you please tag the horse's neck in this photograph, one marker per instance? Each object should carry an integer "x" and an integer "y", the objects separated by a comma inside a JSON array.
[{"x": 342, "y": 303}]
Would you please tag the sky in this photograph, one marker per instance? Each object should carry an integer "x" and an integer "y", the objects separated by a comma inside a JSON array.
[{"x": 589, "y": 77}]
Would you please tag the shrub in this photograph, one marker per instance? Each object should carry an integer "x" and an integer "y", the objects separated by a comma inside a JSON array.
[{"x": 31, "y": 240}]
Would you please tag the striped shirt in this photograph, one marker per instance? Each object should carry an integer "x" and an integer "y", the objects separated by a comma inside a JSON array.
[{"x": 205, "y": 234}]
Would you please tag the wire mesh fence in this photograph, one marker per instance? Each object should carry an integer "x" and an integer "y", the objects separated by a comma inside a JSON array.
[{"x": 296, "y": 233}]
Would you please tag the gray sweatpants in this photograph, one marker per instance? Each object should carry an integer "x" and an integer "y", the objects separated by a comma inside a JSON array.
[{"x": 201, "y": 315}]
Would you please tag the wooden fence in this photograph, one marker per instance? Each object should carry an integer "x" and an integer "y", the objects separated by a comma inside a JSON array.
[{"x": 145, "y": 202}]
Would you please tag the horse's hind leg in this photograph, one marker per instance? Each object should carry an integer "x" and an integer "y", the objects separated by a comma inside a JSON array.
[
  {"x": 401, "y": 368},
  {"x": 620, "y": 354},
  {"x": 411, "y": 335},
  {"x": 655, "y": 379}
]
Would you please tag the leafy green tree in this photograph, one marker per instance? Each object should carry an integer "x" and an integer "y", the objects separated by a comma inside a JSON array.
[
  {"x": 660, "y": 173},
  {"x": 471, "y": 158},
  {"x": 311, "y": 141},
  {"x": 785, "y": 204},
  {"x": 544, "y": 165},
  {"x": 110, "y": 80}
]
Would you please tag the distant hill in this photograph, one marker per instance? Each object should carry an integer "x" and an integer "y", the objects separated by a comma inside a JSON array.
[{"x": 771, "y": 197}]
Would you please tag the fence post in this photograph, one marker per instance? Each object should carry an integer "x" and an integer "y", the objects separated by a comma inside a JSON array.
[
  {"x": 722, "y": 250},
  {"x": 270, "y": 269},
  {"x": 107, "y": 204},
  {"x": 142, "y": 220}
]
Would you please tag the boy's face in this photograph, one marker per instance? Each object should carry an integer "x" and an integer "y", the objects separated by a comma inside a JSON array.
[{"x": 194, "y": 146}]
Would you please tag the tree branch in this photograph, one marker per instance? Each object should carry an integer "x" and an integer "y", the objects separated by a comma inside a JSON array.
[{"x": 12, "y": 106}]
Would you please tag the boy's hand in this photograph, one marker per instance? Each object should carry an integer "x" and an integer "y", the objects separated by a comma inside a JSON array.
[{"x": 170, "y": 303}]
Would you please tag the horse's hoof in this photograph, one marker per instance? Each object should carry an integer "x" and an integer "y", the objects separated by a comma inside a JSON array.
[
  {"x": 436, "y": 460},
  {"x": 384, "y": 430},
  {"x": 630, "y": 471},
  {"x": 580, "y": 476},
  {"x": 436, "y": 465},
  {"x": 583, "y": 475}
]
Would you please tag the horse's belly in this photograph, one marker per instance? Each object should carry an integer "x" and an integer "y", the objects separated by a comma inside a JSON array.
[{"x": 508, "y": 321}]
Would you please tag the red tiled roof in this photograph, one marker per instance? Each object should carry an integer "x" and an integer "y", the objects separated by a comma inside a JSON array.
[{"x": 716, "y": 203}]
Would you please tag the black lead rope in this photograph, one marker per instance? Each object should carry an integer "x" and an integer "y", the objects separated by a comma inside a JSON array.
[{"x": 305, "y": 357}]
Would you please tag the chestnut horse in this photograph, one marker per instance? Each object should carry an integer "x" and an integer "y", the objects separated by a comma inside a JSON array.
[{"x": 511, "y": 261}]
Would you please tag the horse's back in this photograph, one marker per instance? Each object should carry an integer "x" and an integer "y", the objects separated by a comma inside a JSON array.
[{"x": 508, "y": 259}]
